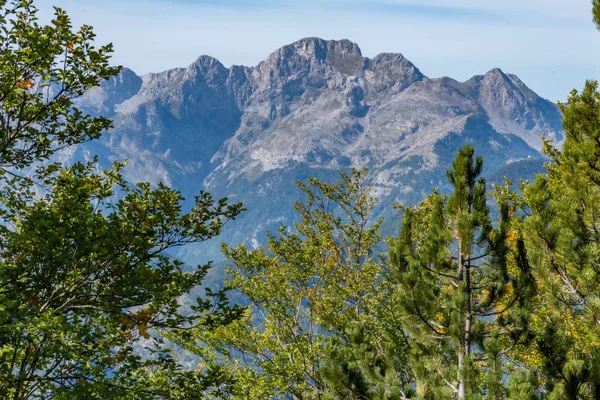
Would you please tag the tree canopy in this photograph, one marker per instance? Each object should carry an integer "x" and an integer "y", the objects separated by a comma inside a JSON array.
[
  {"x": 87, "y": 288},
  {"x": 484, "y": 293}
]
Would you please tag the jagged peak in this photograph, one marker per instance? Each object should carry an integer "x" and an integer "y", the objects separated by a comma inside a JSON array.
[
  {"x": 389, "y": 58},
  {"x": 320, "y": 49},
  {"x": 127, "y": 72},
  {"x": 496, "y": 78},
  {"x": 492, "y": 74},
  {"x": 207, "y": 62},
  {"x": 495, "y": 72},
  {"x": 323, "y": 46},
  {"x": 497, "y": 75},
  {"x": 342, "y": 55},
  {"x": 125, "y": 76}
]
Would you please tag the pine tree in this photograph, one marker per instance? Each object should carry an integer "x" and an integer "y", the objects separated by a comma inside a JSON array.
[
  {"x": 459, "y": 284},
  {"x": 564, "y": 245},
  {"x": 563, "y": 242},
  {"x": 358, "y": 370}
]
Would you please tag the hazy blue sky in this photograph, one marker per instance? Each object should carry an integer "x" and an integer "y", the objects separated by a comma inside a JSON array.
[{"x": 551, "y": 44}]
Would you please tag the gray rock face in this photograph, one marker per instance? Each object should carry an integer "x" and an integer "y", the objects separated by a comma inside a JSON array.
[
  {"x": 314, "y": 107},
  {"x": 102, "y": 100},
  {"x": 514, "y": 108}
]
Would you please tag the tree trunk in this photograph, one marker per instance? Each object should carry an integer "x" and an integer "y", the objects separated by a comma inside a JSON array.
[
  {"x": 466, "y": 350},
  {"x": 461, "y": 376},
  {"x": 462, "y": 341}
]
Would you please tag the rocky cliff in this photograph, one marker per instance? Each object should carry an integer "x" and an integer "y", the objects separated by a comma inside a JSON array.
[{"x": 314, "y": 107}]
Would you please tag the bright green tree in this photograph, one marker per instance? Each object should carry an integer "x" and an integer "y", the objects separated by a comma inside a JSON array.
[
  {"x": 459, "y": 285},
  {"x": 319, "y": 279},
  {"x": 43, "y": 68},
  {"x": 86, "y": 286}
]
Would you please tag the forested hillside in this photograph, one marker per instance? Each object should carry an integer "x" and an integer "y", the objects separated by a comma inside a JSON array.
[{"x": 485, "y": 291}]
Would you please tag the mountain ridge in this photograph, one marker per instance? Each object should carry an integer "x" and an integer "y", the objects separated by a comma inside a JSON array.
[{"x": 313, "y": 107}]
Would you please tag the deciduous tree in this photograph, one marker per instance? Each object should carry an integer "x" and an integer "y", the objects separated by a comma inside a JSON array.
[{"x": 86, "y": 283}]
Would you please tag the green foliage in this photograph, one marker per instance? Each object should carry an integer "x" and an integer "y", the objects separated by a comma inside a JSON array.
[
  {"x": 463, "y": 308},
  {"x": 596, "y": 12},
  {"x": 43, "y": 68},
  {"x": 523, "y": 385},
  {"x": 85, "y": 280},
  {"x": 359, "y": 370},
  {"x": 87, "y": 289},
  {"x": 458, "y": 283},
  {"x": 562, "y": 231},
  {"x": 306, "y": 284}
]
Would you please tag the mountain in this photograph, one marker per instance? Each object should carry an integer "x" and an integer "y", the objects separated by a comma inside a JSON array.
[{"x": 312, "y": 108}]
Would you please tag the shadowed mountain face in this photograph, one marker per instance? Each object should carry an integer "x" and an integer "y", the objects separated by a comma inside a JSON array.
[{"x": 313, "y": 108}]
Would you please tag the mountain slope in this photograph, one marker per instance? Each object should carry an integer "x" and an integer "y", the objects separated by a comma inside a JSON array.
[{"x": 313, "y": 107}]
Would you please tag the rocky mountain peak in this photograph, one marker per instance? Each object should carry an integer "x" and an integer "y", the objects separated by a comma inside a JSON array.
[
  {"x": 496, "y": 79},
  {"x": 313, "y": 56},
  {"x": 102, "y": 100},
  {"x": 393, "y": 70},
  {"x": 207, "y": 63},
  {"x": 312, "y": 108},
  {"x": 514, "y": 108},
  {"x": 317, "y": 48},
  {"x": 495, "y": 73},
  {"x": 389, "y": 59},
  {"x": 127, "y": 76}
]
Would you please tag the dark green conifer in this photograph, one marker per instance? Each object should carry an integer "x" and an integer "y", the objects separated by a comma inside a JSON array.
[
  {"x": 563, "y": 233},
  {"x": 460, "y": 283}
]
